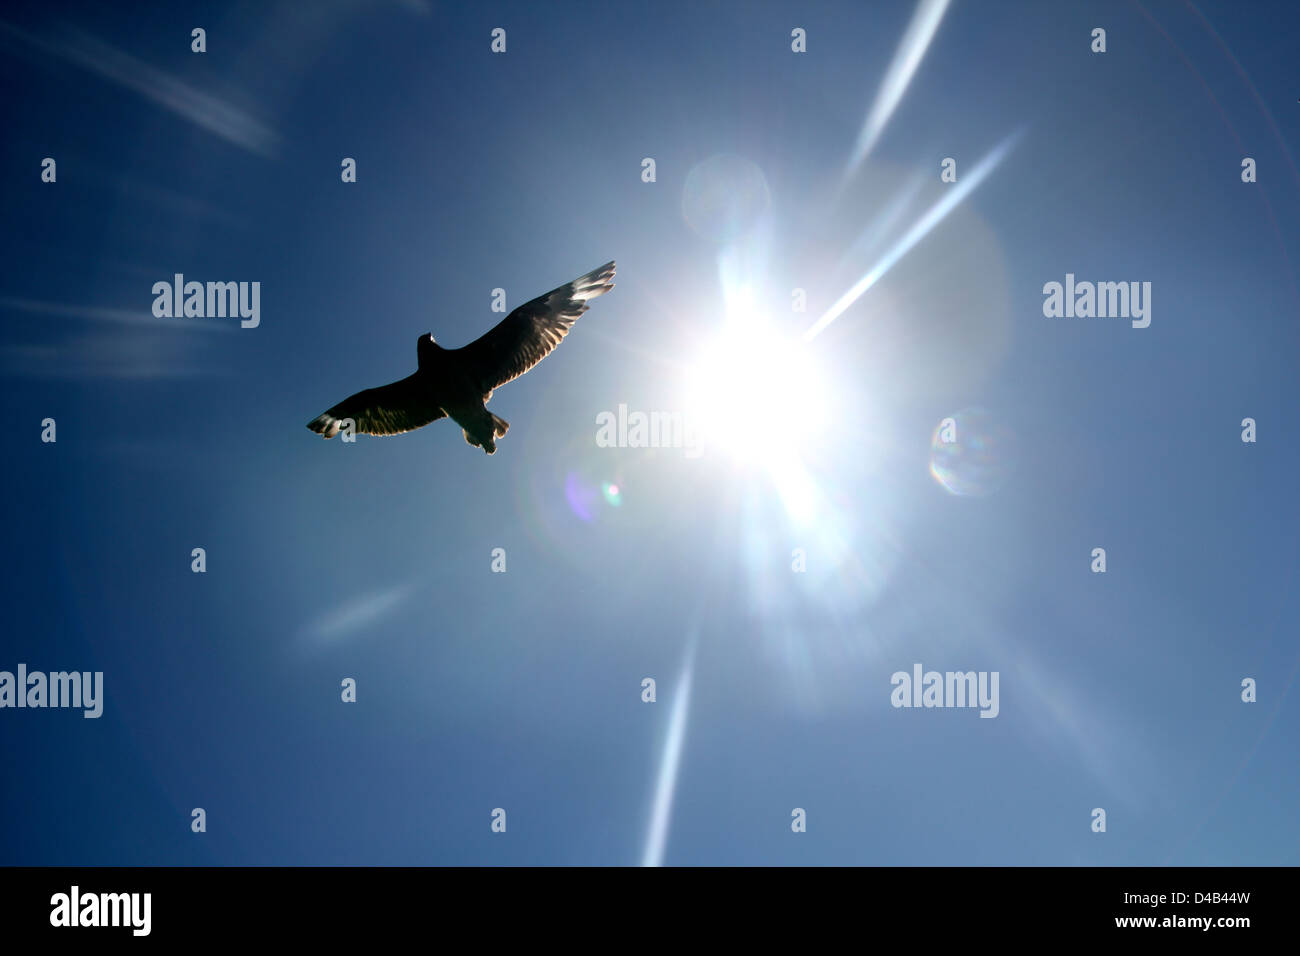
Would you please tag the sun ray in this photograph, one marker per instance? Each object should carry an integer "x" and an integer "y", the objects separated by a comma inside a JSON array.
[
  {"x": 911, "y": 50},
  {"x": 920, "y": 229},
  {"x": 661, "y": 813}
]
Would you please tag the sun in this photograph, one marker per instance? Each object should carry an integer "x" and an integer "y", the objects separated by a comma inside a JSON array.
[{"x": 755, "y": 394}]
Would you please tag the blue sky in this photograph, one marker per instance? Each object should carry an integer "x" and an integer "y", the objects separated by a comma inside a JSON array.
[{"x": 522, "y": 690}]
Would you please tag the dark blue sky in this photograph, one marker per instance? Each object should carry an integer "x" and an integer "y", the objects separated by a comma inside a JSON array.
[{"x": 522, "y": 690}]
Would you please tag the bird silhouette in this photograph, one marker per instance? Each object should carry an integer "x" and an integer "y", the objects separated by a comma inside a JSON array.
[{"x": 457, "y": 383}]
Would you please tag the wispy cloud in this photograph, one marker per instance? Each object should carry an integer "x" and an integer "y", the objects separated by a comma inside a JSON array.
[
  {"x": 185, "y": 208},
  {"x": 101, "y": 356},
  {"x": 358, "y": 613},
  {"x": 202, "y": 109},
  {"x": 95, "y": 313},
  {"x": 90, "y": 341}
]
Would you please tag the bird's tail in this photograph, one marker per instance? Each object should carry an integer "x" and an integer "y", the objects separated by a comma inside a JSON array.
[{"x": 499, "y": 426}]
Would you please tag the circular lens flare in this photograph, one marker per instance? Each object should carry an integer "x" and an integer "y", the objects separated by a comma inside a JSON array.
[
  {"x": 612, "y": 493},
  {"x": 724, "y": 197},
  {"x": 972, "y": 454}
]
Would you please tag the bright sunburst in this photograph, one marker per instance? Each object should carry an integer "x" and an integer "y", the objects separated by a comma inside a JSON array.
[{"x": 754, "y": 391}]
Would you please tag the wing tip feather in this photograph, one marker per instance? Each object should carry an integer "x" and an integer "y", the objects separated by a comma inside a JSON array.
[
  {"x": 325, "y": 425},
  {"x": 594, "y": 283}
]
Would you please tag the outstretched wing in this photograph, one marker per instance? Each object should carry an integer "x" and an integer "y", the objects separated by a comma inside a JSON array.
[
  {"x": 529, "y": 333},
  {"x": 387, "y": 410}
]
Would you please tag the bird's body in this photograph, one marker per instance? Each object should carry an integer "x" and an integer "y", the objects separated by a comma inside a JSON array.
[{"x": 457, "y": 383}]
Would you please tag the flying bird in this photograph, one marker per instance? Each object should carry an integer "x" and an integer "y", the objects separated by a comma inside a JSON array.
[{"x": 457, "y": 383}]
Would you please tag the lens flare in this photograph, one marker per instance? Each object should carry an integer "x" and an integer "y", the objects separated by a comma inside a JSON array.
[
  {"x": 669, "y": 764},
  {"x": 911, "y": 50},
  {"x": 724, "y": 197},
  {"x": 972, "y": 454},
  {"x": 580, "y": 495},
  {"x": 919, "y": 230}
]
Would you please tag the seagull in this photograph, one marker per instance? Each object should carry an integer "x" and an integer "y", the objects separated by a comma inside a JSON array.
[{"x": 457, "y": 383}]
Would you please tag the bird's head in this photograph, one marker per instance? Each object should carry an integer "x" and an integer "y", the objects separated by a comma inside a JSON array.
[{"x": 425, "y": 346}]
